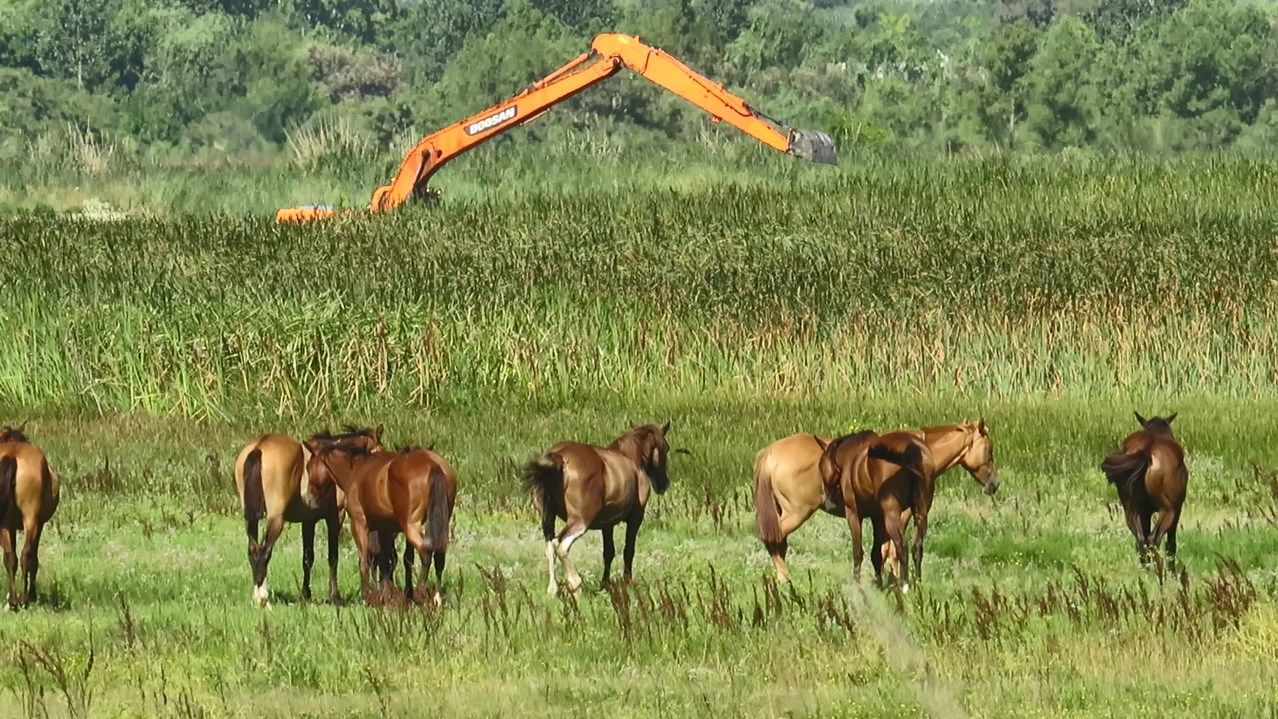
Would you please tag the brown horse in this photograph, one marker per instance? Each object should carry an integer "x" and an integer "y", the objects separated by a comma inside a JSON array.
[
  {"x": 411, "y": 490},
  {"x": 593, "y": 487},
  {"x": 789, "y": 488},
  {"x": 28, "y": 499},
  {"x": 881, "y": 477},
  {"x": 273, "y": 484},
  {"x": 1150, "y": 475}
]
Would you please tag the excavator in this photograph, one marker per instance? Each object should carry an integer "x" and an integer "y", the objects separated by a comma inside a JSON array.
[{"x": 608, "y": 54}]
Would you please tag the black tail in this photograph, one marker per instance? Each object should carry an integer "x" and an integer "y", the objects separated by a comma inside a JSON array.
[
  {"x": 1124, "y": 469},
  {"x": 254, "y": 495},
  {"x": 439, "y": 514},
  {"x": 8, "y": 481},
  {"x": 909, "y": 459},
  {"x": 543, "y": 476}
]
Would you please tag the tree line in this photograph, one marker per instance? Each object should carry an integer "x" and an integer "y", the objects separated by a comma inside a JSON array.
[{"x": 249, "y": 77}]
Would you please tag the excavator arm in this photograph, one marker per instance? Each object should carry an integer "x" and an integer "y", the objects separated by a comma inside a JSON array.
[{"x": 609, "y": 53}]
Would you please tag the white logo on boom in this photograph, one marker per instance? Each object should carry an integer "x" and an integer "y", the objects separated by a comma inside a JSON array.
[{"x": 491, "y": 121}]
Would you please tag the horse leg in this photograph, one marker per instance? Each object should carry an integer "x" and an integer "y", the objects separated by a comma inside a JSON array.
[
  {"x": 385, "y": 558},
  {"x": 416, "y": 540},
  {"x": 1171, "y": 537},
  {"x": 31, "y": 558},
  {"x": 334, "y": 525},
  {"x": 7, "y": 540},
  {"x": 1166, "y": 521},
  {"x": 892, "y": 520},
  {"x": 548, "y": 531},
  {"x": 920, "y": 532},
  {"x": 261, "y": 592},
  {"x": 858, "y": 551},
  {"x": 876, "y": 549},
  {"x": 570, "y": 534},
  {"x": 632, "y": 536},
  {"x": 609, "y": 551},
  {"x": 439, "y": 576},
  {"x": 1138, "y": 532},
  {"x": 360, "y": 533},
  {"x": 308, "y": 556},
  {"x": 408, "y": 570},
  {"x": 790, "y": 521}
]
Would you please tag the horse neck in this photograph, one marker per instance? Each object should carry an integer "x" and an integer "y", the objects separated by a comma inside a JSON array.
[{"x": 947, "y": 443}]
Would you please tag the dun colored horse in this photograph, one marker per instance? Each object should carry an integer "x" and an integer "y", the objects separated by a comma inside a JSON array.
[
  {"x": 881, "y": 477},
  {"x": 789, "y": 488},
  {"x": 593, "y": 487},
  {"x": 411, "y": 490},
  {"x": 273, "y": 484},
  {"x": 28, "y": 498},
  {"x": 1150, "y": 475}
]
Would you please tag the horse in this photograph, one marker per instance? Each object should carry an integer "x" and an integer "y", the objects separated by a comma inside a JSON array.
[
  {"x": 1150, "y": 475},
  {"x": 881, "y": 477},
  {"x": 273, "y": 484},
  {"x": 411, "y": 490},
  {"x": 29, "y": 493},
  {"x": 788, "y": 487},
  {"x": 591, "y": 487}
]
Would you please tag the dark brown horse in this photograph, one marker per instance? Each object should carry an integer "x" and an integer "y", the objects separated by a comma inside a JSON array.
[
  {"x": 273, "y": 484},
  {"x": 28, "y": 497},
  {"x": 881, "y": 477},
  {"x": 1150, "y": 475},
  {"x": 593, "y": 487},
  {"x": 412, "y": 490}
]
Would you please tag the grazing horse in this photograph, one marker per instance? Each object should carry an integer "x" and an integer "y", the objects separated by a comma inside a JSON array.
[
  {"x": 881, "y": 477},
  {"x": 28, "y": 498},
  {"x": 411, "y": 490},
  {"x": 788, "y": 487},
  {"x": 273, "y": 484},
  {"x": 1150, "y": 475},
  {"x": 593, "y": 487}
]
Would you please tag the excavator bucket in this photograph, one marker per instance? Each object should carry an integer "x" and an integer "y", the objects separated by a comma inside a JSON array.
[{"x": 814, "y": 146}]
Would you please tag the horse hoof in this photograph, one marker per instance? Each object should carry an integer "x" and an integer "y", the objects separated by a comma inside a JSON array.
[{"x": 439, "y": 600}]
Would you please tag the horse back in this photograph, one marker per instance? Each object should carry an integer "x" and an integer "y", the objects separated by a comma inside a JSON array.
[
  {"x": 35, "y": 490},
  {"x": 601, "y": 487}
]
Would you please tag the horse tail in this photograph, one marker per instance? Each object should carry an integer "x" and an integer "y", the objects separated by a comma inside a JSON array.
[
  {"x": 767, "y": 517},
  {"x": 8, "y": 483},
  {"x": 910, "y": 459},
  {"x": 440, "y": 512},
  {"x": 541, "y": 477},
  {"x": 1123, "y": 468},
  {"x": 254, "y": 495}
]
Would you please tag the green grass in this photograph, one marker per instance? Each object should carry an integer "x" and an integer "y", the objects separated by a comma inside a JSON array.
[{"x": 1051, "y": 297}]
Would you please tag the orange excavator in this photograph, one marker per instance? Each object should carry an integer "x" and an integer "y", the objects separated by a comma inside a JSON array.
[{"x": 608, "y": 54}]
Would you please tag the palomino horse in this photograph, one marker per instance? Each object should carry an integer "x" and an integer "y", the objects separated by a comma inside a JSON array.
[
  {"x": 788, "y": 487},
  {"x": 1150, "y": 475},
  {"x": 411, "y": 490},
  {"x": 28, "y": 498},
  {"x": 593, "y": 487},
  {"x": 881, "y": 477},
  {"x": 273, "y": 484}
]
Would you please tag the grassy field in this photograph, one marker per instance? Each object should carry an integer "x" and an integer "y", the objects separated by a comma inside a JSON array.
[{"x": 1050, "y": 297}]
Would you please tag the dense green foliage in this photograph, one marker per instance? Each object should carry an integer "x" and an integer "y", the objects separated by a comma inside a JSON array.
[{"x": 237, "y": 80}]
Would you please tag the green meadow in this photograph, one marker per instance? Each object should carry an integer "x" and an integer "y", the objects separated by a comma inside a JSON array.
[{"x": 1051, "y": 296}]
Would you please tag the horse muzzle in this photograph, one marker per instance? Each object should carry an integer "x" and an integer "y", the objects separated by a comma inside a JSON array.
[{"x": 991, "y": 485}]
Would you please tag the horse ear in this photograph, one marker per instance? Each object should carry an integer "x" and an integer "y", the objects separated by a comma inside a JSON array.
[
  {"x": 1139, "y": 418},
  {"x": 821, "y": 442},
  {"x": 377, "y": 433},
  {"x": 665, "y": 427},
  {"x": 1172, "y": 418},
  {"x": 313, "y": 446},
  {"x": 980, "y": 427}
]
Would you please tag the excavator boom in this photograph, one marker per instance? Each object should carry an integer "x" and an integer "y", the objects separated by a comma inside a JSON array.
[{"x": 609, "y": 53}]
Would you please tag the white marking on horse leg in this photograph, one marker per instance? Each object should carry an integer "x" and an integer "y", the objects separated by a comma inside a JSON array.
[
  {"x": 571, "y": 576},
  {"x": 552, "y": 588},
  {"x": 439, "y": 599}
]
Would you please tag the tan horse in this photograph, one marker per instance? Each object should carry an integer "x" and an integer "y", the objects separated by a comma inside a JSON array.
[
  {"x": 1150, "y": 475},
  {"x": 593, "y": 487},
  {"x": 411, "y": 490},
  {"x": 789, "y": 489},
  {"x": 28, "y": 499},
  {"x": 273, "y": 484},
  {"x": 882, "y": 478}
]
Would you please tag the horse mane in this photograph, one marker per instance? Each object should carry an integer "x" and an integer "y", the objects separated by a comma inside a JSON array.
[
  {"x": 636, "y": 445},
  {"x": 12, "y": 434},
  {"x": 1158, "y": 426}
]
